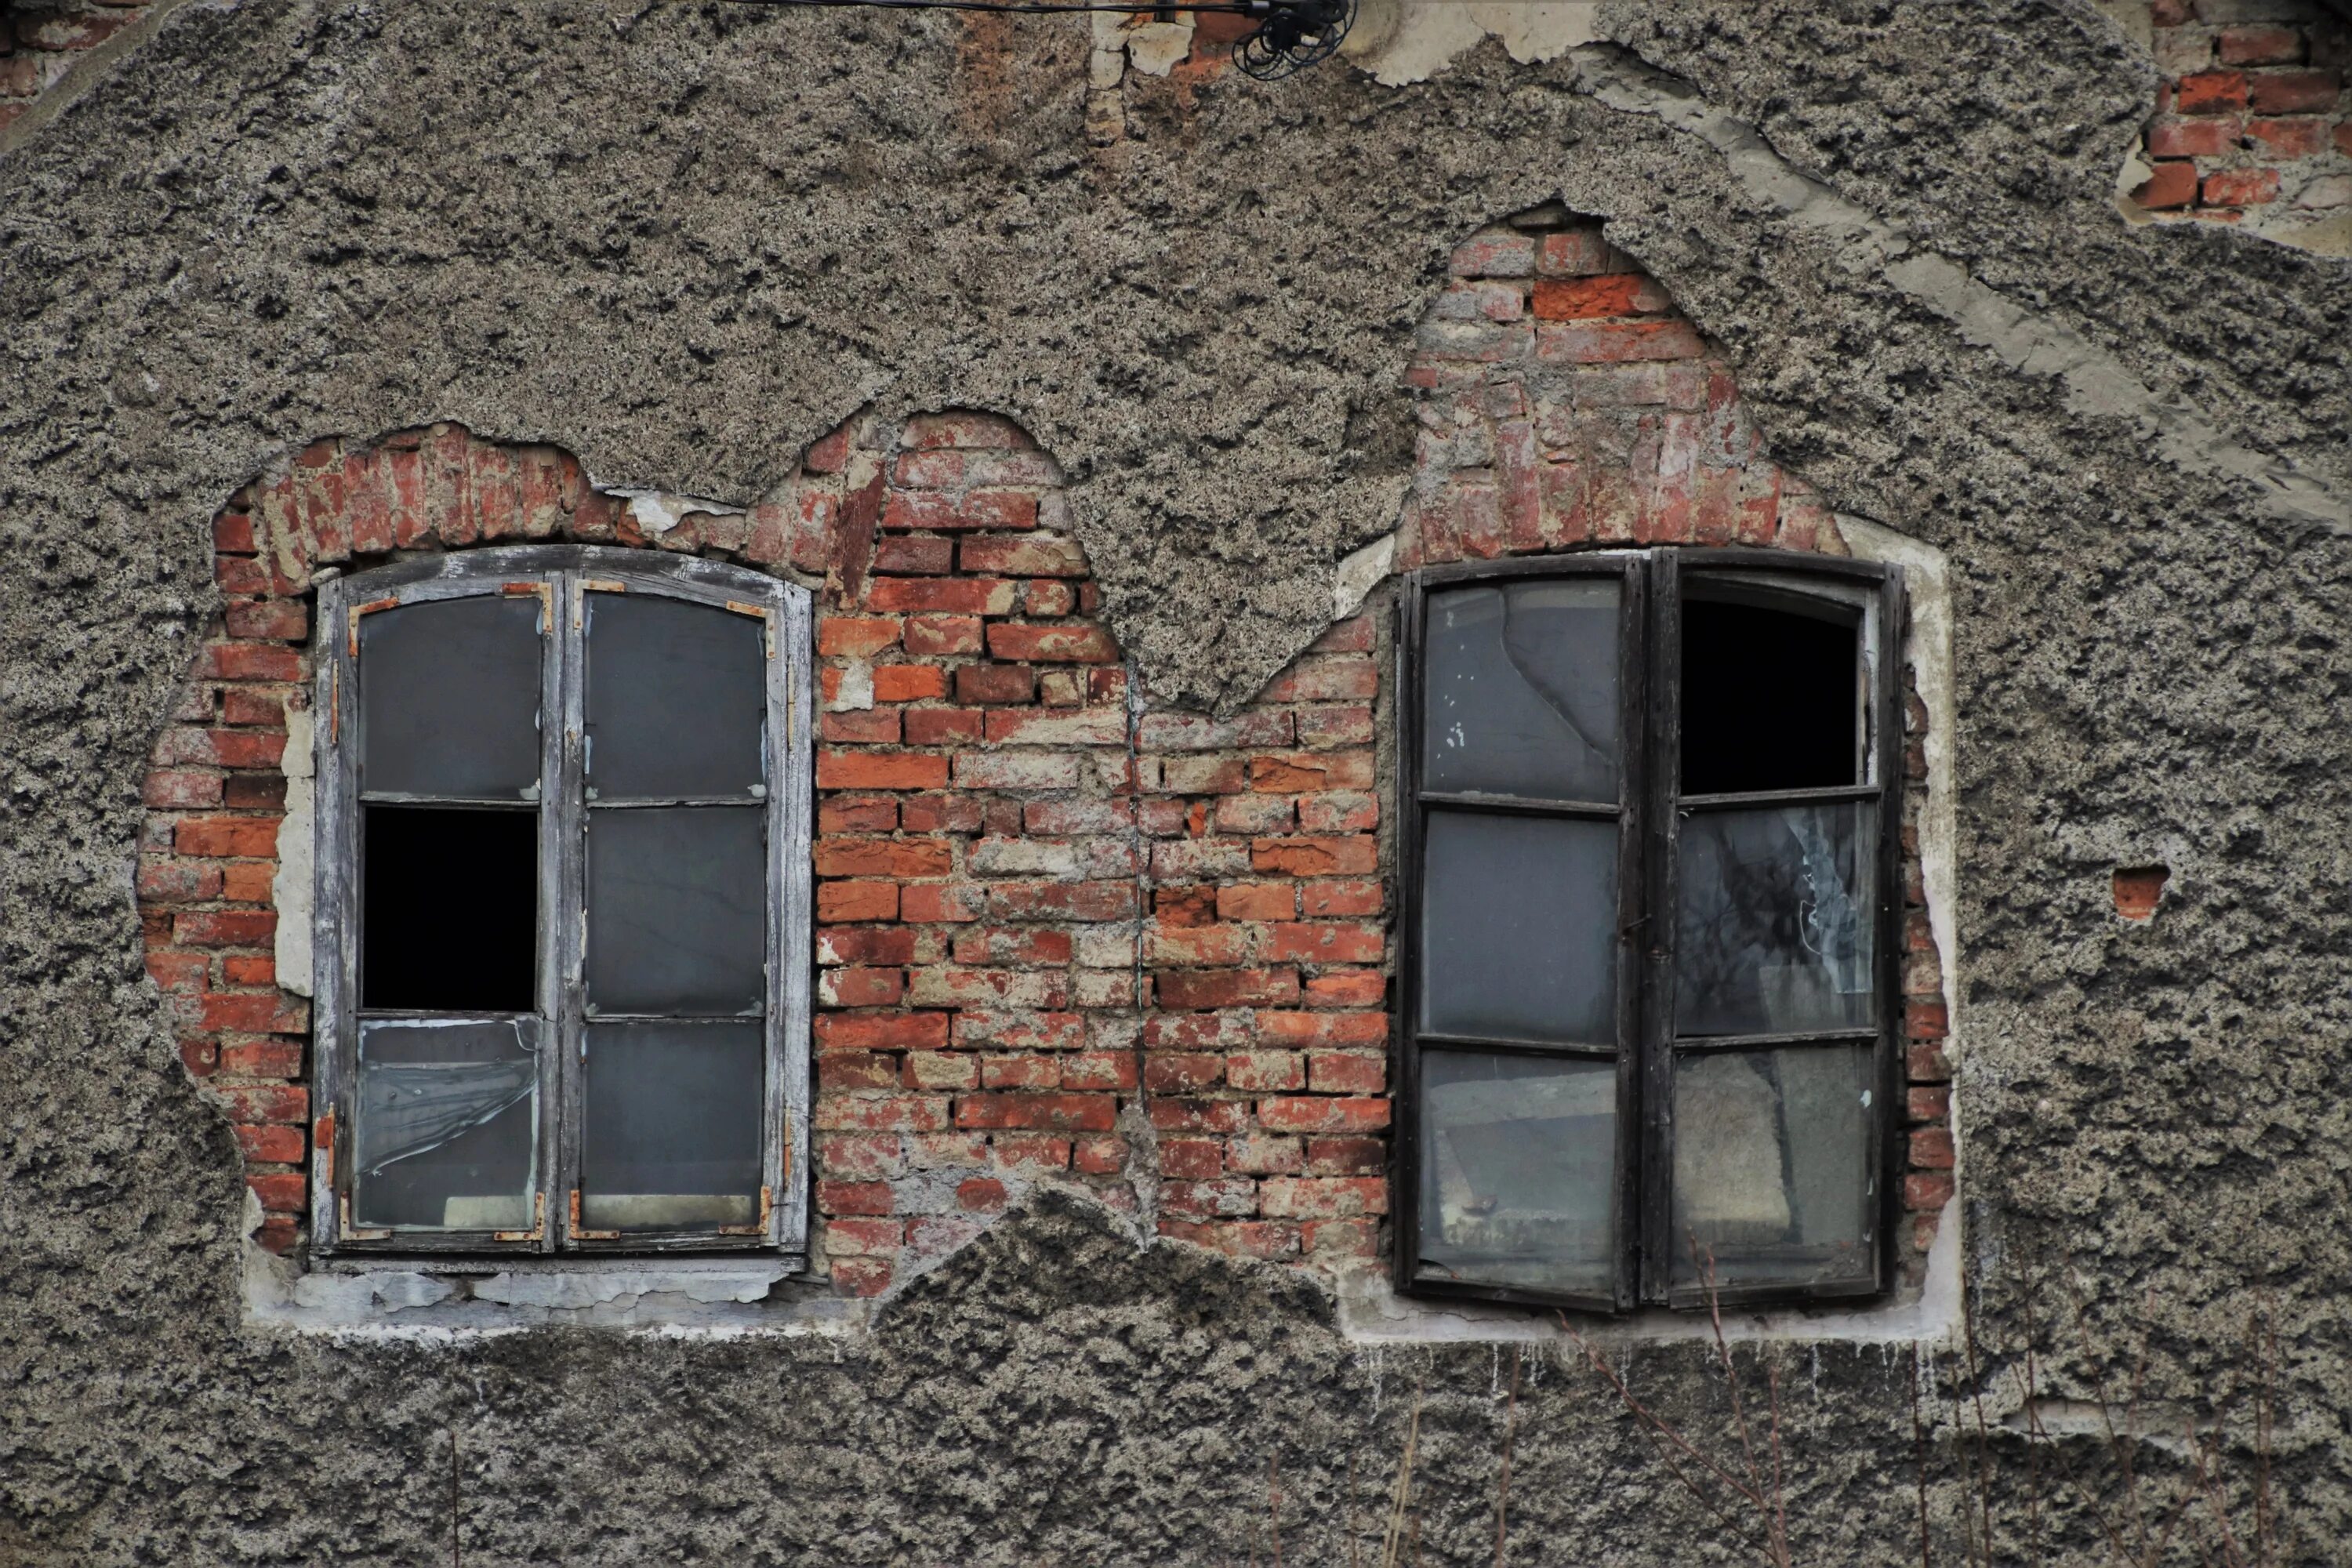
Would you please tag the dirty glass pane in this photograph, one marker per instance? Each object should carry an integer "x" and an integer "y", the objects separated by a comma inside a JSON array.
[
  {"x": 1522, "y": 690},
  {"x": 1517, "y": 1172},
  {"x": 1776, "y": 932},
  {"x": 445, "y": 1126},
  {"x": 677, "y": 697},
  {"x": 1773, "y": 1165},
  {"x": 449, "y": 698},
  {"x": 448, "y": 908},
  {"x": 1772, "y": 698},
  {"x": 672, "y": 1141},
  {"x": 1518, "y": 927},
  {"x": 677, "y": 915}
]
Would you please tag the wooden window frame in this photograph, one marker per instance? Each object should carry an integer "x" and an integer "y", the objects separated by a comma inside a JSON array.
[
  {"x": 561, "y": 576},
  {"x": 1649, "y": 811}
]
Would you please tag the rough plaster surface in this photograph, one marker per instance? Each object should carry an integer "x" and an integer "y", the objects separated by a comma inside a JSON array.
[{"x": 686, "y": 248}]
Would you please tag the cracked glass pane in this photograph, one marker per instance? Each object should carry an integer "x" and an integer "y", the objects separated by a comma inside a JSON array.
[
  {"x": 673, "y": 1133},
  {"x": 445, "y": 1126},
  {"x": 1522, "y": 690},
  {"x": 677, "y": 915},
  {"x": 1516, "y": 1183},
  {"x": 1772, "y": 1166},
  {"x": 1519, "y": 928},
  {"x": 449, "y": 698},
  {"x": 677, "y": 700},
  {"x": 1775, "y": 935}
]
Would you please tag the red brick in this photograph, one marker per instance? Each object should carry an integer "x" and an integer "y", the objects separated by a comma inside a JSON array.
[
  {"x": 996, "y": 683},
  {"x": 880, "y": 1031},
  {"x": 1579, "y": 299},
  {"x": 228, "y": 928},
  {"x": 915, "y": 554},
  {"x": 1023, "y": 555},
  {"x": 1191, "y": 1159},
  {"x": 942, "y": 726},
  {"x": 943, "y": 595},
  {"x": 1927, "y": 1191},
  {"x": 1928, "y": 1105},
  {"x": 867, "y": 726},
  {"x": 1345, "y": 1156},
  {"x": 254, "y": 791},
  {"x": 2210, "y": 93},
  {"x": 2171, "y": 186},
  {"x": 1323, "y": 1197},
  {"x": 930, "y": 903},
  {"x": 1043, "y": 1112},
  {"x": 277, "y": 1103},
  {"x": 2203, "y": 138},
  {"x": 247, "y": 661},
  {"x": 254, "y": 1013},
  {"x": 263, "y": 1058},
  {"x": 938, "y": 1071},
  {"x": 1098, "y": 1156},
  {"x": 1315, "y": 855},
  {"x": 272, "y": 1145},
  {"x": 177, "y": 882},
  {"x": 282, "y": 1193},
  {"x": 2292, "y": 92},
  {"x": 1298, "y": 773},
  {"x": 887, "y": 1113},
  {"x": 169, "y": 789},
  {"x": 1258, "y": 902},
  {"x": 943, "y": 633},
  {"x": 1924, "y": 1020},
  {"x": 940, "y": 513},
  {"x": 1180, "y": 1072},
  {"x": 1320, "y": 1115},
  {"x": 848, "y": 1237},
  {"x": 1317, "y": 942},
  {"x": 846, "y": 1072},
  {"x": 1931, "y": 1150},
  {"x": 1247, "y": 1238},
  {"x": 861, "y": 1276},
  {"x": 981, "y": 1195},
  {"x": 1496, "y": 256},
  {"x": 2260, "y": 46},
  {"x": 1031, "y": 1151},
  {"x": 878, "y": 770},
  {"x": 847, "y": 901},
  {"x": 201, "y": 1058},
  {"x": 857, "y": 986},
  {"x": 233, "y": 534},
  {"x": 854, "y": 1197},
  {"x": 1063, "y": 900},
  {"x": 884, "y": 856},
  {"x": 909, "y": 682},
  {"x": 1339, "y": 898},
  {"x": 1615, "y": 342},
  {"x": 1226, "y": 1197},
  {"x": 268, "y": 620},
  {"x": 1053, "y": 644},
  {"x": 1173, "y": 1114},
  {"x": 857, "y": 636},
  {"x": 2241, "y": 187},
  {"x": 1340, "y": 1072},
  {"x": 2302, "y": 137},
  {"x": 1192, "y": 990}
]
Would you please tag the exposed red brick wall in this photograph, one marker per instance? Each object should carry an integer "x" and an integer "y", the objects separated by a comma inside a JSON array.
[
  {"x": 40, "y": 40},
  {"x": 1564, "y": 404},
  {"x": 1059, "y": 936},
  {"x": 2252, "y": 123}
]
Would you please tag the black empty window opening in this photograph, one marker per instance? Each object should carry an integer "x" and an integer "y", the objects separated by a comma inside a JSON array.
[
  {"x": 562, "y": 851},
  {"x": 1649, "y": 864}
]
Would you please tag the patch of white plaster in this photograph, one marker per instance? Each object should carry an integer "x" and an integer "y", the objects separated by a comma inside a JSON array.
[
  {"x": 857, "y": 688},
  {"x": 1359, "y": 574},
  {"x": 658, "y": 512},
  {"x": 290, "y": 889},
  {"x": 1155, "y": 48},
  {"x": 1401, "y": 41}
]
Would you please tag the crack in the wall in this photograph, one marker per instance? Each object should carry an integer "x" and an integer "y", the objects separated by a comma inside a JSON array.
[{"x": 2097, "y": 383}]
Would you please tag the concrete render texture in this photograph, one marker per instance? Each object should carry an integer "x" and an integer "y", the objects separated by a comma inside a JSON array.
[{"x": 685, "y": 243}]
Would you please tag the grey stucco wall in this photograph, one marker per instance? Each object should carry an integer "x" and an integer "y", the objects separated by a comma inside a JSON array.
[{"x": 684, "y": 248}]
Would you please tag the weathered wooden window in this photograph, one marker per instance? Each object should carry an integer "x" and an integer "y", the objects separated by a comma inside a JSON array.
[
  {"x": 1651, "y": 881},
  {"x": 563, "y": 905}
]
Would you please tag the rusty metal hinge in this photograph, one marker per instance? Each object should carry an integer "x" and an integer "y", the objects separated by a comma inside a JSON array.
[
  {"x": 581, "y": 1232},
  {"x": 538, "y": 1222},
  {"x": 767, "y": 622},
  {"x": 543, "y": 592},
  {"x": 389, "y": 601},
  {"x": 351, "y": 1232},
  {"x": 767, "y": 1208}
]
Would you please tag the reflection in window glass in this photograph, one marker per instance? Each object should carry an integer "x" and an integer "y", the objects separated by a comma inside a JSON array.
[
  {"x": 676, "y": 699},
  {"x": 1517, "y": 1175},
  {"x": 449, "y": 698},
  {"x": 1774, "y": 934},
  {"x": 1519, "y": 928},
  {"x": 1521, "y": 691},
  {"x": 677, "y": 909},
  {"x": 1772, "y": 1165},
  {"x": 446, "y": 1133},
  {"x": 672, "y": 1139}
]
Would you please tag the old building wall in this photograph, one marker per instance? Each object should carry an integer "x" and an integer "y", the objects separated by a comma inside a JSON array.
[{"x": 273, "y": 223}]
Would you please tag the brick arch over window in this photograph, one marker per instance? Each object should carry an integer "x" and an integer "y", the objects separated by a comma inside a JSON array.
[{"x": 1057, "y": 938}]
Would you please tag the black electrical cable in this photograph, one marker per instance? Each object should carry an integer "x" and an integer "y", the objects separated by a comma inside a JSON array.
[{"x": 1290, "y": 35}]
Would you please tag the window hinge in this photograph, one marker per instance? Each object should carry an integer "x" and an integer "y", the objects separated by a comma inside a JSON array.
[
  {"x": 543, "y": 592},
  {"x": 538, "y": 1222},
  {"x": 767, "y": 1208},
  {"x": 335, "y": 707},
  {"x": 389, "y": 601},
  {"x": 351, "y": 1232},
  {"x": 581, "y": 1232},
  {"x": 767, "y": 622}
]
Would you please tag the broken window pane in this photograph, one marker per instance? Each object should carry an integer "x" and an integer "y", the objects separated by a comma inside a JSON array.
[
  {"x": 450, "y": 909},
  {"x": 444, "y": 1127},
  {"x": 1518, "y": 1172},
  {"x": 1772, "y": 698},
  {"x": 677, "y": 917},
  {"x": 676, "y": 699},
  {"x": 1775, "y": 933},
  {"x": 1522, "y": 690},
  {"x": 449, "y": 698},
  {"x": 1772, "y": 1165},
  {"x": 1519, "y": 928},
  {"x": 673, "y": 1133}
]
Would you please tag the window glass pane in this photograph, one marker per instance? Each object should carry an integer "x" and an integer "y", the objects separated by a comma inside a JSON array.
[
  {"x": 672, "y": 1141},
  {"x": 1521, "y": 694},
  {"x": 445, "y": 1126},
  {"x": 1777, "y": 929},
  {"x": 449, "y": 698},
  {"x": 1772, "y": 698},
  {"x": 676, "y": 699},
  {"x": 1519, "y": 928},
  {"x": 449, "y": 908},
  {"x": 1518, "y": 1164},
  {"x": 677, "y": 909},
  {"x": 1773, "y": 1165}
]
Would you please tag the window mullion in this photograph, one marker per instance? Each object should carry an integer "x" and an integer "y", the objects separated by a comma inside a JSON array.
[
  {"x": 561, "y": 897},
  {"x": 1661, "y": 747}
]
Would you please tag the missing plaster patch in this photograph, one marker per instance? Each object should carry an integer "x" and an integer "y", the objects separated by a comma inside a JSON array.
[{"x": 2138, "y": 890}]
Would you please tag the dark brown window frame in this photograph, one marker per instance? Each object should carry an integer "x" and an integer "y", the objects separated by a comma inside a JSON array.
[
  {"x": 561, "y": 576},
  {"x": 1649, "y": 814}
]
